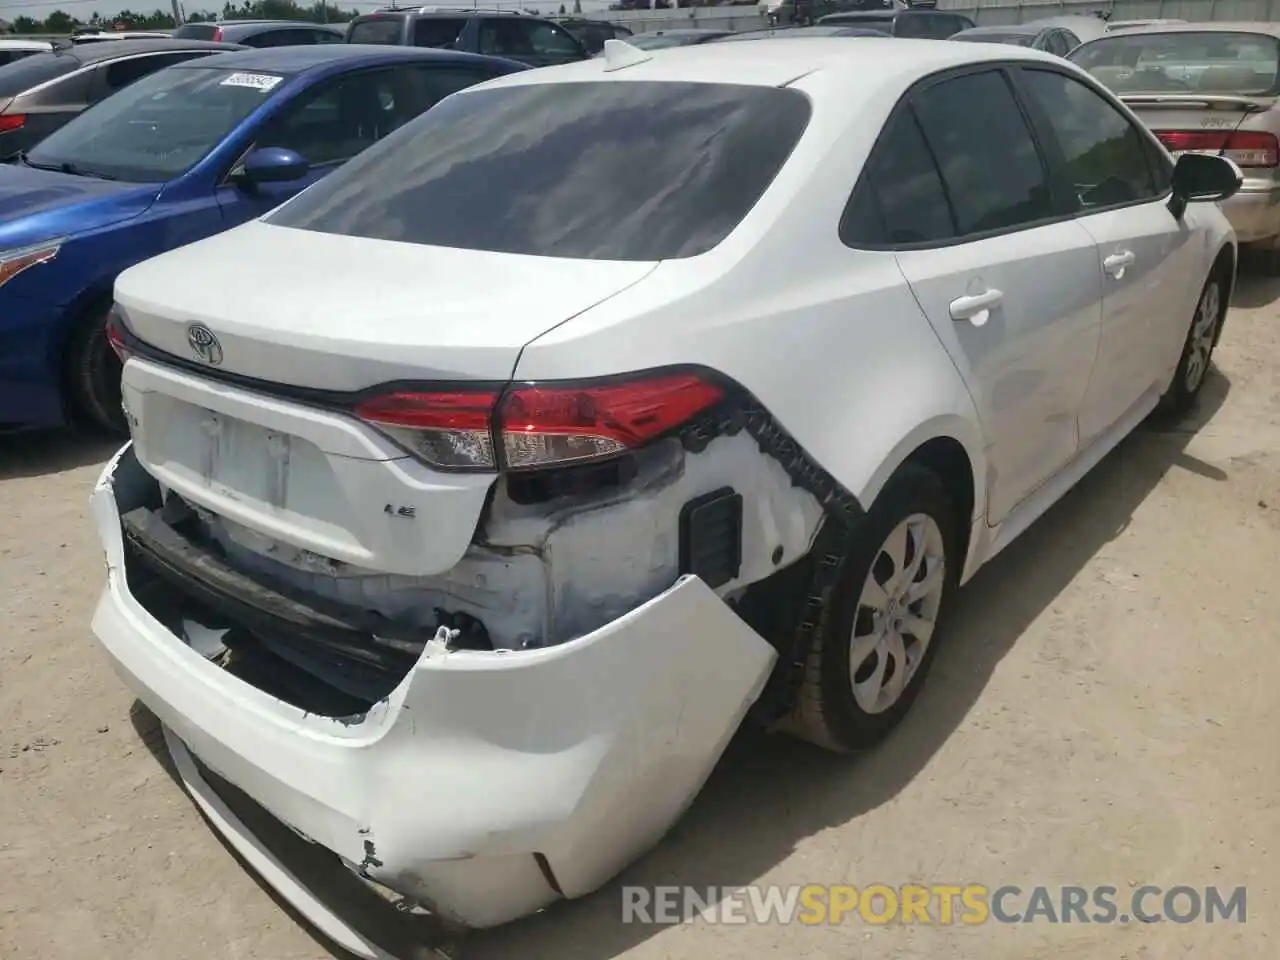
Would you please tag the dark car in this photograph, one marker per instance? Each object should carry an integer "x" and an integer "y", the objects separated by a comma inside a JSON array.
[
  {"x": 263, "y": 33},
  {"x": 39, "y": 94},
  {"x": 659, "y": 39},
  {"x": 1051, "y": 39},
  {"x": 915, "y": 23},
  {"x": 531, "y": 40},
  {"x": 782, "y": 33},
  {"x": 592, "y": 33}
]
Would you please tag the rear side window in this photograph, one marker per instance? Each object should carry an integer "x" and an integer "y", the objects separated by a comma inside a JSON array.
[
  {"x": 1105, "y": 154},
  {"x": 992, "y": 170},
  {"x": 22, "y": 75},
  {"x": 899, "y": 198},
  {"x": 124, "y": 72},
  {"x": 437, "y": 31},
  {"x": 9, "y": 56},
  {"x": 384, "y": 30},
  {"x": 641, "y": 170}
]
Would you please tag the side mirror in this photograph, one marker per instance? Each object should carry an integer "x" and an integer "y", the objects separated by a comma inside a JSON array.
[
  {"x": 274, "y": 165},
  {"x": 1202, "y": 177}
]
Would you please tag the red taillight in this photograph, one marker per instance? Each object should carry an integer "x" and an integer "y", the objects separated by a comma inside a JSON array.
[
  {"x": 217, "y": 34},
  {"x": 115, "y": 337},
  {"x": 539, "y": 425},
  {"x": 546, "y": 425},
  {"x": 1248, "y": 148},
  {"x": 446, "y": 429},
  {"x": 12, "y": 121}
]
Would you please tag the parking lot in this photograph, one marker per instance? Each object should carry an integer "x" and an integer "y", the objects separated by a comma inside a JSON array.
[{"x": 1104, "y": 712}]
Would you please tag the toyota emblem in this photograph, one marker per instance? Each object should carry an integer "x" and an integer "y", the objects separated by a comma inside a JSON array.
[{"x": 204, "y": 344}]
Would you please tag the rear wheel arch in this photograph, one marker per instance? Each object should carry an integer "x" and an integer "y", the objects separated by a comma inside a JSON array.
[
  {"x": 951, "y": 449},
  {"x": 1225, "y": 266},
  {"x": 947, "y": 459}
]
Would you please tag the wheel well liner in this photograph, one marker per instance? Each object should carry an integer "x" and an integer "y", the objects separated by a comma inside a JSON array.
[
  {"x": 945, "y": 458},
  {"x": 1226, "y": 264}
]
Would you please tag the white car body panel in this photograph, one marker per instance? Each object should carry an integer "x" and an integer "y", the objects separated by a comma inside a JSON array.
[
  {"x": 584, "y": 751},
  {"x": 1027, "y": 360},
  {"x": 346, "y": 329},
  {"x": 1144, "y": 304}
]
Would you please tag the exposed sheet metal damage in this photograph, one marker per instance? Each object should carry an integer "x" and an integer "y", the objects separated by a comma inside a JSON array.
[
  {"x": 541, "y": 574},
  {"x": 537, "y": 574}
]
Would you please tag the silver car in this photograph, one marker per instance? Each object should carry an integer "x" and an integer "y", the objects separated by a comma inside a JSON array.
[{"x": 1206, "y": 88}]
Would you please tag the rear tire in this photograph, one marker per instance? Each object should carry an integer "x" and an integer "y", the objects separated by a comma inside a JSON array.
[
  {"x": 93, "y": 377},
  {"x": 1197, "y": 349},
  {"x": 870, "y": 660}
]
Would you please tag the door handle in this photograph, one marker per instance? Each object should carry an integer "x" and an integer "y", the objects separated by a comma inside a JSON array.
[
  {"x": 977, "y": 307},
  {"x": 1117, "y": 263}
]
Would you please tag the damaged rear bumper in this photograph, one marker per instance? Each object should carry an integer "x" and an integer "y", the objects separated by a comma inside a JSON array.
[{"x": 488, "y": 784}]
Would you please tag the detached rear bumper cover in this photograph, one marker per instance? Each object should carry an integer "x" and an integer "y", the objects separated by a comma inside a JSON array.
[{"x": 584, "y": 753}]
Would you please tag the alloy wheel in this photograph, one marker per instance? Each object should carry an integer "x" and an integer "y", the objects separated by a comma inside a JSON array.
[{"x": 897, "y": 613}]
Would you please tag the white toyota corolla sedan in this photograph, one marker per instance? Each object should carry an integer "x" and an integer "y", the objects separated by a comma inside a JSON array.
[{"x": 477, "y": 495}]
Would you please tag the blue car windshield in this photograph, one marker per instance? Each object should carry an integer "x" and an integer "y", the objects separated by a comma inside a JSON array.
[{"x": 157, "y": 127}]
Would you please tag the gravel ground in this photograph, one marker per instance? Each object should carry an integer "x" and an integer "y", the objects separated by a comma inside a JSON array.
[{"x": 1104, "y": 712}]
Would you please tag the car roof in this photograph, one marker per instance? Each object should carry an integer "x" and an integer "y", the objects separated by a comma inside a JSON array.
[
  {"x": 15, "y": 43},
  {"x": 98, "y": 52},
  {"x": 782, "y": 61},
  {"x": 292, "y": 60}
]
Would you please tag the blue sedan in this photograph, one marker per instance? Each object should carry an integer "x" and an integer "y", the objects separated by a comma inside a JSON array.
[{"x": 179, "y": 155}]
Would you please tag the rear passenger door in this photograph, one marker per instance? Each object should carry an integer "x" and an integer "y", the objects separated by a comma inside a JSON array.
[
  {"x": 1118, "y": 180},
  {"x": 1009, "y": 282}
]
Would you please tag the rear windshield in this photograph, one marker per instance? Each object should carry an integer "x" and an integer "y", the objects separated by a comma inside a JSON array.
[
  {"x": 640, "y": 170},
  {"x": 196, "y": 31},
  {"x": 1214, "y": 62},
  {"x": 385, "y": 30},
  {"x": 21, "y": 75},
  {"x": 8, "y": 56}
]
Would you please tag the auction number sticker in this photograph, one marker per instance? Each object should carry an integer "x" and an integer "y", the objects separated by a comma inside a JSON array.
[{"x": 254, "y": 81}]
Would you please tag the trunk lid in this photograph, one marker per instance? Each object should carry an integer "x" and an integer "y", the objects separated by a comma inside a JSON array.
[
  {"x": 338, "y": 313},
  {"x": 306, "y": 481}
]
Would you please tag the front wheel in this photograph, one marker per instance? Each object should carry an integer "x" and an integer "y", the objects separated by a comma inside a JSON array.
[
  {"x": 1197, "y": 349},
  {"x": 874, "y": 651},
  {"x": 93, "y": 377}
]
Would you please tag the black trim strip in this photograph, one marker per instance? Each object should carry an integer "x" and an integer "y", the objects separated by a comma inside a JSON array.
[{"x": 197, "y": 573}]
